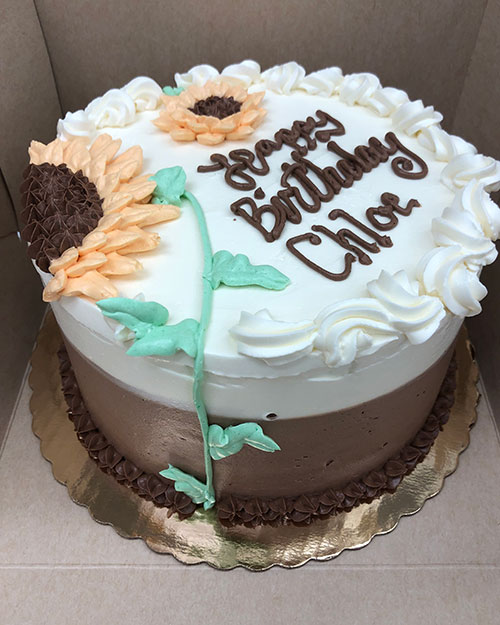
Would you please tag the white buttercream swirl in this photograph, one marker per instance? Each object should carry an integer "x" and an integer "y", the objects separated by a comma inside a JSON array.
[
  {"x": 324, "y": 82},
  {"x": 275, "y": 342},
  {"x": 444, "y": 146},
  {"x": 443, "y": 272},
  {"x": 347, "y": 330},
  {"x": 459, "y": 227},
  {"x": 416, "y": 316},
  {"x": 385, "y": 100},
  {"x": 466, "y": 167},
  {"x": 247, "y": 72},
  {"x": 114, "y": 109},
  {"x": 351, "y": 329},
  {"x": 197, "y": 75},
  {"x": 474, "y": 199},
  {"x": 145, "y": 92},
  {"x": 358, "y": 88},
  {"x": 413, "y": 117},
  {"x": 74, "y": 125},
  {"x": 284, "y": 78}
]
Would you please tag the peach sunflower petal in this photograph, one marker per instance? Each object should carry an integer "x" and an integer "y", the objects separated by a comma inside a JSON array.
[
  {"x": 173, "y": 105},
  {"x": 96, "y": 167},
  {"x": 240, "y": 133},
  {"x": 53, "y": 289},
  {"x": 253, "y": 100},
  {"x": 118, "y": 265},
  {"x": 182, "y": 116},
  {"x": 118, "y": 239},
  {"x": 104, "y": 144},
  {"x": 210, "y": 121},
  {"x": 237, "y": 92},
  {"x": 116, "y": 202},
  {"x": 211, "y": 138},
  {"x": 197, "y": 125},
  {"x": 249, "y": 117},
  {"x": 143, "y": 241},
  {"x": 77, "y": 145},
  {"x": 93, "y": 284},
  {"x": 198, "y": 92},
  {"x": 78, "y": 161},
  {"x": 219, "y": 89},
  {"x": 51, "y": 153},
  {"x": 149, "y": 214},
  {"x": 55, "y": 152},
  {"x": 227, "y": 124},
  {"x": 107, "y": 183},
  {"x": 139, "y": 188},
  {"x": 67, "y": 258},
  {"x": 36, "y": 152},
  {"x": 128, "y": 164},
  {"x": 109, "y": 222},
  {"x": 261, "y": 114},
  {"x": 163, "y": 122},
  {"x": 182, "y": 134},
  {"x": 93, "y": 241},
  {"x": 90, "y": 261},
  {"x": 187, "y": 100}
]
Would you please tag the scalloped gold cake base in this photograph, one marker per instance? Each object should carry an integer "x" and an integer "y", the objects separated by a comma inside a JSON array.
[{"x": 201, "y": 538}]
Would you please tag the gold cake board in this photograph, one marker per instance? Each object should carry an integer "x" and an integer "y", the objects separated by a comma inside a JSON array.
[{"x": 201, "y": 538}]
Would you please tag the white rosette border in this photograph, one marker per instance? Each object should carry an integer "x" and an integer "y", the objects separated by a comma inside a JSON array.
[{"x": 115, "y": 109}]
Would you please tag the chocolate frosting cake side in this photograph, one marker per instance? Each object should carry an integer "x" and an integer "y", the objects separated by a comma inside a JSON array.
[{"x": 233, "y": 509}]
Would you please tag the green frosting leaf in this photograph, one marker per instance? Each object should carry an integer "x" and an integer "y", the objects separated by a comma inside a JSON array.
[
  {"x": 170, "y": 185},
  {"x": 185, "y": 483},
  {"x": 225, "y": 442},
  {"x": 172, "y": 90},
  {"x": 147, "y": 319},
  {"x": 148, "y": 312},
  {"x": 166, "y": 340},
  {"x": 239, "y": 271}
]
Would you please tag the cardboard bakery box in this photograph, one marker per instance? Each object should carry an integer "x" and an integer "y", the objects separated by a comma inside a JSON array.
[{"x": 56, "y": 56}]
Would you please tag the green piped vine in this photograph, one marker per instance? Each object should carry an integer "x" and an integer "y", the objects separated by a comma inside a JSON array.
[{"x": 153, "y": 336}]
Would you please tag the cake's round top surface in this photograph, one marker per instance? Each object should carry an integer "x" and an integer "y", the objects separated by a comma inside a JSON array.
[{"x": 380, "y": 220}]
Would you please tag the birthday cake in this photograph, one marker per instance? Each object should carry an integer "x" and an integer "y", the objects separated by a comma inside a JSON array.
[{"x": 259, "y": 277}]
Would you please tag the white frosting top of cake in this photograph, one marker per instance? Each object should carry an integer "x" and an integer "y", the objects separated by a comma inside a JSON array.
[{"x": 417, "y": 289}]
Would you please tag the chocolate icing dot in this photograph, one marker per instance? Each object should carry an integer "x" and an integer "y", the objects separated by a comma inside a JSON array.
[
  {"x": 215, "y": 106},
  {"x": 60, "y": 208}
]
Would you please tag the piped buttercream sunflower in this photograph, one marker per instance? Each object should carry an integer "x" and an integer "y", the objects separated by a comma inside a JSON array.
[
  {"x": 85, "y": 209},
  {"x": 211, "y": 113}
]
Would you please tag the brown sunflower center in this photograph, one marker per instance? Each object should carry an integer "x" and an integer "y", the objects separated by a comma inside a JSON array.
[
  {"x": 60, "y": 208},
  {"x": 215, "y": 106}
]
